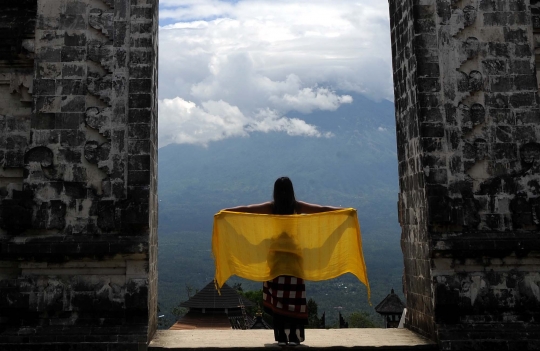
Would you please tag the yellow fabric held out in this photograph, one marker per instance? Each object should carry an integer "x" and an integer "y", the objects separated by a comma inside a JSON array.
[{"x": 314, "y": 247}]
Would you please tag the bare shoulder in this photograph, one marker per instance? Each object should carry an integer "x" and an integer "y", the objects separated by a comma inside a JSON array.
[
  {"x": 306, "y": 207},
  {"x": 262, "y": 208}
]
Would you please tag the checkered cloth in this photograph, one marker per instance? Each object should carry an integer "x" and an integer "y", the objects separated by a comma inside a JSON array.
[{"x": 286, "y": 296}]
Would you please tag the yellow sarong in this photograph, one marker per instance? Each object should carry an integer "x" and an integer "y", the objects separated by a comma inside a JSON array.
[{"x": 314, "y": 247}]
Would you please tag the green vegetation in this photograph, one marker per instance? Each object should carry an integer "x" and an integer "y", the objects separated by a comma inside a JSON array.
[
  {"x": 361, "y": 320},
  {"x": 314, "y": 321}
]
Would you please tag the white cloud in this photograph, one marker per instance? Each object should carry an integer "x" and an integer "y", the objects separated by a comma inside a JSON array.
[
  {"x": 309, "y": 99},
  {"x": 275, "y": 55},
  {"x": 183, "y": 122},
  {"x": 382, "y": 129},
  {"x": 271, "y": 121}
]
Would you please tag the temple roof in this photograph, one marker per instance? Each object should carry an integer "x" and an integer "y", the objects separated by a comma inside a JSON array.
[
  {"x": 209, "y": 298},
  {"x": 194, "y": 320},
  {"x": 390, "y": 305},
  {"x": 259, "y": 323}
]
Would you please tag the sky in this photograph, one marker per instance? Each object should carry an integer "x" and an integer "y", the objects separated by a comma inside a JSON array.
[{"x": 230, "y": 68}]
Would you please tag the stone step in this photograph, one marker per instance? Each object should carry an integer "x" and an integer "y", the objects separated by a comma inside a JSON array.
[{"x": 316, "y": 339}]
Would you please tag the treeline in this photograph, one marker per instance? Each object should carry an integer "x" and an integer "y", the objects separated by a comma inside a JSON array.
[{"x": 357, "y": 319}]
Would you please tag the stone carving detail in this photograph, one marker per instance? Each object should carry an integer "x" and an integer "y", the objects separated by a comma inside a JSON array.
[
  {"x": 81, "y": 68},
  {"x": 471, "y": 48},
  {"x": 102, "y": 21},
  {"x": 490, "y": 148},
  {"x": 475, "y": 81},
  {"x": 101, "y": 87},
  {"x": 109, "y": 3},
  {"x": 469, "y": 14},
  {"x": 94, "y": 152},
  {"x": 98, "y": 118}
]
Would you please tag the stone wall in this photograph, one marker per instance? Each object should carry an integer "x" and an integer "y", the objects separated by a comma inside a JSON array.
[
  {"x": 78, "y": 149},
  {"x": 411, "y": 77},
  {"x": 475, "y": 123}
]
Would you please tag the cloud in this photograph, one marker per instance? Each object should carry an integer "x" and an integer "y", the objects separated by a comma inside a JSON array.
[
  {"x": 234, "y": 79},
  {"x": 184, "y": 122},
  {"x": 382, "y": 129},
  {"x": 309, "y": 99},
  {"x": 278, "y": 55}
]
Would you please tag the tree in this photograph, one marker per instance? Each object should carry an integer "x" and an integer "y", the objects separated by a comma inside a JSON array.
[
  {"x": 255, "y": 296},
  {"x": 361, "y": 319},
  {"x": 190, "y": 290},
  {"x": 313, "y": 320},
  {"x": 238, "y": 287},
  {"x": 179, "y": 312}
]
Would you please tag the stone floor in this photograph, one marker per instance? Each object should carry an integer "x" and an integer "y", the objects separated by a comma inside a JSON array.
[{"x": 316, "y": 339}]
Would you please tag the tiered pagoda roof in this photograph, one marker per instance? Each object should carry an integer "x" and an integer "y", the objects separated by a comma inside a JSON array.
[
  {"x": 209, "y": 298},
  {"x": 390, "y": 305}
]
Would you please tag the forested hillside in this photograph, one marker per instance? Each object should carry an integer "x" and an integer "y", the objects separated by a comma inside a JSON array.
[{"x": 355, "y": 167}]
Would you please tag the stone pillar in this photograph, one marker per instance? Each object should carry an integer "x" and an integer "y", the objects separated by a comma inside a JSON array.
[
  {"x": 468, "y": 126},
  {"x": 78, "y": 182}
]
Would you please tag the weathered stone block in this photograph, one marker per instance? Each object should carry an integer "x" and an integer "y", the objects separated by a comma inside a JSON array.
[
  {"x": 75, "y": 38},
  {"x": 73, "y": 103},
  {"x": 72, "y": 22},
  {"x": 523, "y": 50},
  {"x": 138, "y": 177},
  {"x": 73, "y": 70},
  {"x": 141, "y": 13},
  {"x": 73, "y": 54},
  {"x": 497, "y": 18},
  {"x": 525, "y": 82},
  {"x": 138, "y": 131},
  {"x": 517, "y": 36},
  {"x": 139, "y": 163},
  {"x": 494, "y": 66},
  {"x": 71, "y": 138},
  {"x": 517, "y": 5},
  {"x": 138, "y": 147},
  {"x": 45, "y": 87},
  {"x": 71, "y": 87},
  {"x": 49, "y": 54},
  {"x": 518, "y": 100}
]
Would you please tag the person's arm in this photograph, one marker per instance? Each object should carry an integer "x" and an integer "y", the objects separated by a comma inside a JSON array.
[
  {"x": 264, "y": 208},
  {"x": 306, "y": 207}
]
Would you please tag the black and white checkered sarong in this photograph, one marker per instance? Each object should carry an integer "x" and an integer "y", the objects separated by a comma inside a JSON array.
[{"x": 286, "y": 296}]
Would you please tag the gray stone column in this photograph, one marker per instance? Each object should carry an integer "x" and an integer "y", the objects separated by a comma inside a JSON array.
[
  {"x": 467, "y": 114},
  {"x": 78, "y": 194}
]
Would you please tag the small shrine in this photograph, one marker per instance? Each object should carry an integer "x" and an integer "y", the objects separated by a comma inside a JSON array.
[
  {"x": 209, "y": 309},
  {"x": 259, "y": 322},
  {"x": 391, "y": 308}
]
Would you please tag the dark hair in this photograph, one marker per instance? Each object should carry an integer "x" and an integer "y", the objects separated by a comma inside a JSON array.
[{"x": 284, "y": 200}]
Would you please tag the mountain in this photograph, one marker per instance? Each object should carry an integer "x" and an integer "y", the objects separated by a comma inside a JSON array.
[{"x": 356, "y": 167}]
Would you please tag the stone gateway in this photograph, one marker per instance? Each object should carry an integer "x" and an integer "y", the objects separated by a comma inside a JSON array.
[
  {"x": 78, "y": 150},
  {"x": 468, "y": 129},
  {"x": 78, "y": 175}
]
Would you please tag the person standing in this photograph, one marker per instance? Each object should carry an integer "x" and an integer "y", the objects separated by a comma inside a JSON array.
[{"x": 284, "y": 297}]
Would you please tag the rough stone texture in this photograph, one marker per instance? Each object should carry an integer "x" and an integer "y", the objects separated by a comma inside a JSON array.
[
  {"x": 78, "y": 149},
  {"x": 467, "y": 114},
  {"x": 412, "y": 200}
]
